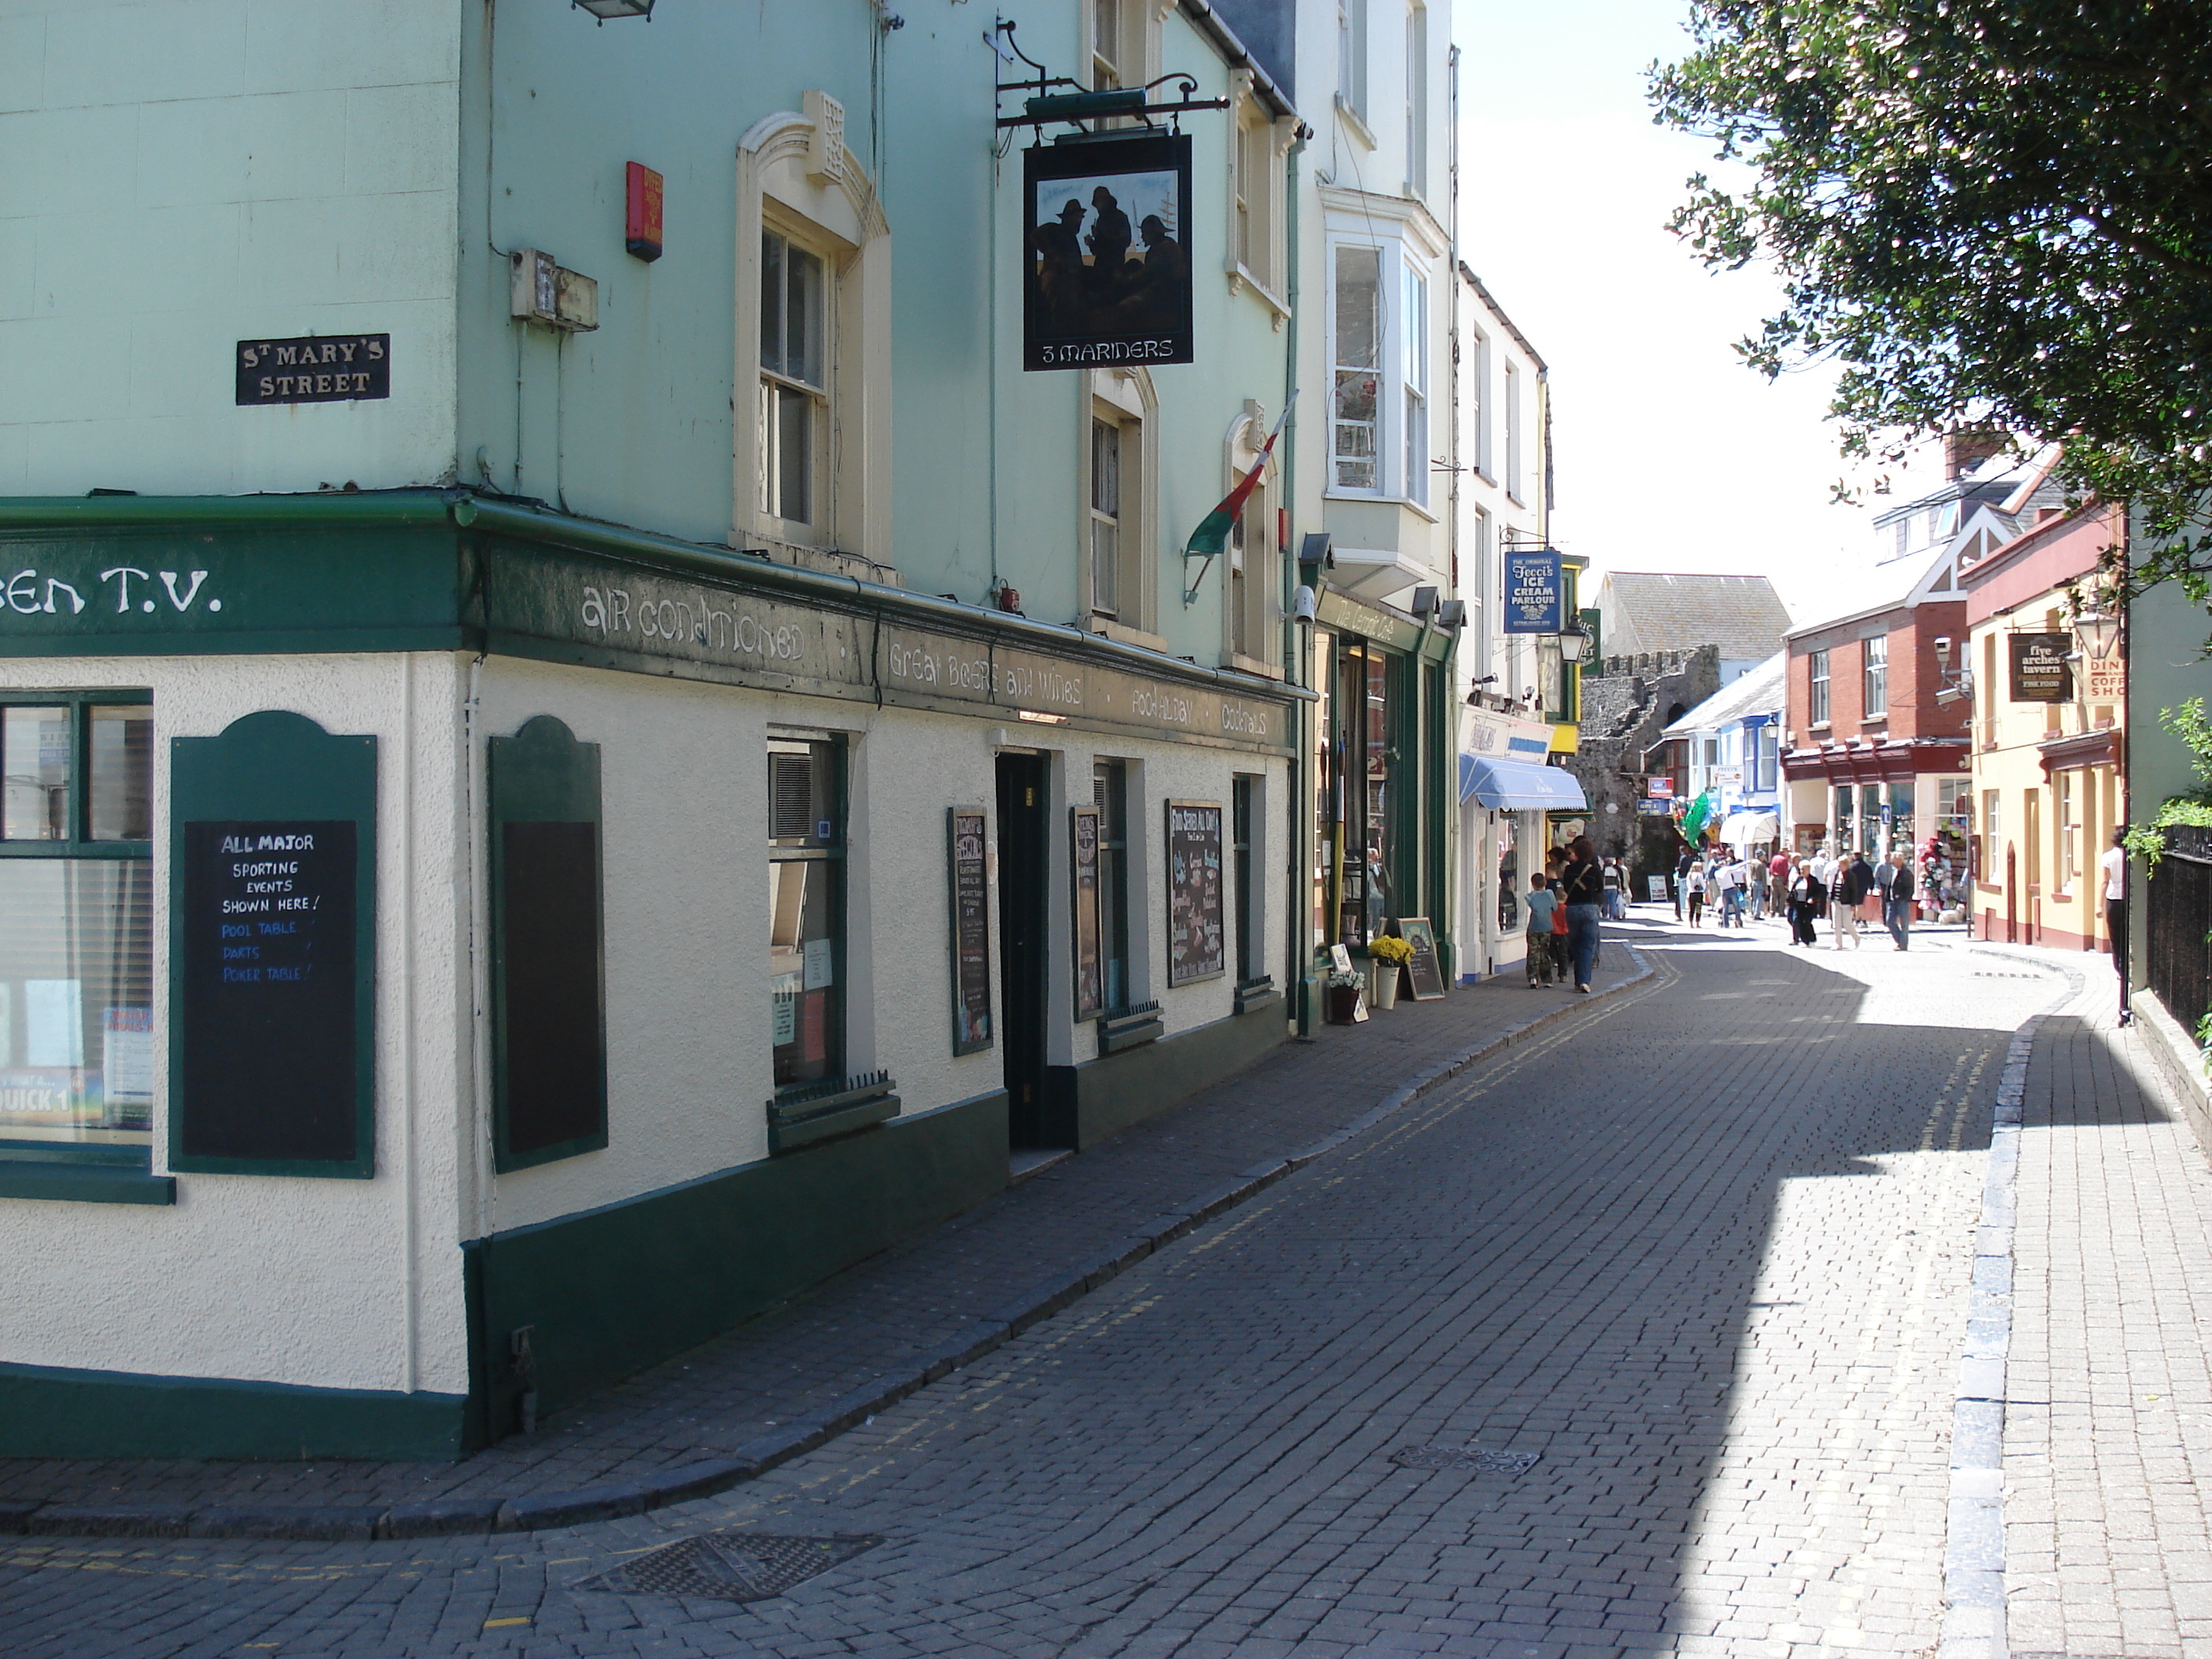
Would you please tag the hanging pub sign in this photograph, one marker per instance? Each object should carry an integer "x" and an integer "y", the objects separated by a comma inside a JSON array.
[
  {"x": 1106, "y": 260},
  {"x": 1535, "y": 593},
  {"x": 2040, "y": 673}
]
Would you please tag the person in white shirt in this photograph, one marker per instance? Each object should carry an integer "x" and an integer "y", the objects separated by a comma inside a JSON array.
[{"x": 2115, "y": 866}]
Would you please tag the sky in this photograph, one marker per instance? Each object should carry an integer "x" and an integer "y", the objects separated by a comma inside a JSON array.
[{"x": 1669, "y": 454}]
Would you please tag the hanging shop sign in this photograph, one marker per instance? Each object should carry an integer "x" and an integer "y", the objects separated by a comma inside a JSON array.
[
  {"x": 1196, "y": 939},
  {"x": 1659, "y": 789},
  {"x": 2104, "y": 679},
  {"x": 310, "y": 369},
  {"x": 966, "y": 829},
  {"x": 1106, "y": 260},
  {"x": 1492, "y": 734},
  {"x": 1535, "y": 592},
  {"x": 2040, "y": 673}
]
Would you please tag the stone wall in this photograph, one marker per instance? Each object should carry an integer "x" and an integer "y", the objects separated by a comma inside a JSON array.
[{"x": 1627, "y": 702}]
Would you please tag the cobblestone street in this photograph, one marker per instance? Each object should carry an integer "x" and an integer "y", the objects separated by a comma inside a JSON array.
[{"x": 1641, "y": 1337}]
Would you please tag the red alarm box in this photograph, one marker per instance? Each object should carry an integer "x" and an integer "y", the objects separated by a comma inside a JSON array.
[{"x": 641, "y": 225}]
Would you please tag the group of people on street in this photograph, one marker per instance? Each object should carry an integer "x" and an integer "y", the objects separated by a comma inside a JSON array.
[
  {"x": 1845, "y": 889},
  {"x": 1566, "y": 900}
]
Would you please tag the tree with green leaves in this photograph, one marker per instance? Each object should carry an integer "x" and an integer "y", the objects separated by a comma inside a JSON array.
[{"x": 1990, "y": 214}]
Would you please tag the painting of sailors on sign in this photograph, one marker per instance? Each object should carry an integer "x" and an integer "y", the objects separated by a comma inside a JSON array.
[{"x": 1107, "y": 270}]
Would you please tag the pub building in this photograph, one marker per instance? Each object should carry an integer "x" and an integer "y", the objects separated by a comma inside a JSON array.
[{"x": 453, "y": 955}]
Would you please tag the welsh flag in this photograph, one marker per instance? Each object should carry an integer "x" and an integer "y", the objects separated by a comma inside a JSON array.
[
  {"x": 1700, "y": 810},
  {"x": 1211, "y": 536}
]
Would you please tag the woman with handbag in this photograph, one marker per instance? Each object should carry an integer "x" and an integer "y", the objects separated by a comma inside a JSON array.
[{"x": 1583, "y": 889}]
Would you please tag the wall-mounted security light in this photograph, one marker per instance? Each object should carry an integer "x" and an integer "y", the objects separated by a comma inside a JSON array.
[
  {"x": 1452, "y": 614},
  {"x": 1303, "y": 607},
  {"x": 1425, "y": 601}
]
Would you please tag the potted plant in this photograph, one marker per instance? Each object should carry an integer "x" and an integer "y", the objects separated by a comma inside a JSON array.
[
  {"x": 1387, "y": 957},
  {"x": 1342, "y": 991}
]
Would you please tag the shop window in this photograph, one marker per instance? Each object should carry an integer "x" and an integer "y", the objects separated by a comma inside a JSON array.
[
  {"x": 549, "y": 948},
  {"x": 2069, "y": 829},
  {"x": 1875, "y": 653},
  {"x": 1816, "y": 700},
  {"x": 806, "y": 909},
  {"x": 1368, "y": 721},
  {"x": 1843, "y": 816},
  {"x": 1109, "y": 792},
  {"x": 1329, "y": 785},
  {"x": 76, "y": 909},
  {"x": 1242, "y": 789}
]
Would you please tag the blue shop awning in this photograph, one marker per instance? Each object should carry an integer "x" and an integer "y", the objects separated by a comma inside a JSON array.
[{"x": 1518, "y": 785}]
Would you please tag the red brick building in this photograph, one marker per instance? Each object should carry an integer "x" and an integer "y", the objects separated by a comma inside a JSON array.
[{"x": 1875, "y": 752}]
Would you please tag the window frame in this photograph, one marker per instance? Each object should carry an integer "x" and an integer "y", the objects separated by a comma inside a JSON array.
[
  {"x": 834, "y": 853},
  {"x": 1122, "y": 398},
  {"x": 1352, "y": 28},
  {"x": 820, "y": 484},
  {"x": 1110, "y": 794},
  {"x": 1400, "y": 273},
  {"x": 131, "y": 1163},
  {"x": 1873, "y": 677},
  {"x": 1819, "y": 704}
]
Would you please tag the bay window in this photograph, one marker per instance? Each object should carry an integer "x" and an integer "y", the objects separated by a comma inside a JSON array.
[{"x": 1379, "y": 384}]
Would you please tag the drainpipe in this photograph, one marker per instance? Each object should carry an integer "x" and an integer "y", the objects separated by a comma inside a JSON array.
[{"x": 1298, "y": 956}]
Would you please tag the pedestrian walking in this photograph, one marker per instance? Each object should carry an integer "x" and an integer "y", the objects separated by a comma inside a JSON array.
[
  {"x": 1584, "y": 892},
  {"x": 1614, "y": 910},
  {"x": 1848, "y": 885},
  {"x": 1695, "y": 881},
  {"x": 1681, "y": 882},
  {"x": 1756, "y": 906},
  {"x": 1805, "y": 899},
  {"x": 1543, "y": 904},
  {"x": 1779, "y": 869},
  {"x": 1897, "y": 900},
  {"x": 2114, "y": 865}
]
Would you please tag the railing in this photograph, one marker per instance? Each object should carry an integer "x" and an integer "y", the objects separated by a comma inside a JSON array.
[{"x": 2177, "y": 918}]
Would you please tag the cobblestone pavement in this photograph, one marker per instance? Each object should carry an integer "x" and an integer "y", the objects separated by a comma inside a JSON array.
[
  {"x": 905, "y": 1302},
  {"x": 2108, "y": 1432},
  {"x": 1702, "y": 1250}
]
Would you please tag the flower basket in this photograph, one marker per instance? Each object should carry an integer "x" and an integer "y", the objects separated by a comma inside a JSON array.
[
  {"x": 1343, "y": 1004},
  {"x": 1383, "y": 983}
]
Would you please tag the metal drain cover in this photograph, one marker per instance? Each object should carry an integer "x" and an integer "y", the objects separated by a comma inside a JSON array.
[
  {"x": 731, "y": 1566},
  {"x": 1481, "y": 1460}
]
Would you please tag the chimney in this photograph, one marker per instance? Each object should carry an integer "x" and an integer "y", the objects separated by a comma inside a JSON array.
[{"x": 1967, "y": 448}]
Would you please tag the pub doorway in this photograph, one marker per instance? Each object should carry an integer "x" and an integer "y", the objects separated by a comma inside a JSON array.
[{"x": 1022, "y": 935}]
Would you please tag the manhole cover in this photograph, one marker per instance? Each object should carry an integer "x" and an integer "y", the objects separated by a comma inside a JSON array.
[
  {"x": 731, "y": 1566},
  {"x": 1481, "y": 1460}
]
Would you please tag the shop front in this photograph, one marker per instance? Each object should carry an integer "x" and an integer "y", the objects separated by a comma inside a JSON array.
[
  {"x": 453, "y": 955},
  {"x": 1509, "y": 797},
  {"x": 1383, "y": 730}
]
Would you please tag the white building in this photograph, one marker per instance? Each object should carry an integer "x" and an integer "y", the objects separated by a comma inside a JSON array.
[{"x": 1730, "y": 744}]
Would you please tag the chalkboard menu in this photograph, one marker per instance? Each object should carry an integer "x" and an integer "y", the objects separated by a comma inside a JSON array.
[
  {"x": 1196, "y": 940},
  {"x": 967, "y": 839},
  {"x": 1426, "y": 971},
  {"x": 1082, "y": 854},
  {"x": 272, "y": 903},
  {"x": 267, "y": 937}
]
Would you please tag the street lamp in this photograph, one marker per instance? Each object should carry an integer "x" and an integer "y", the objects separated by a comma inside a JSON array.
[
  {"x": 1574, "y": 643},
  {"x": 2100, "y": 633}
]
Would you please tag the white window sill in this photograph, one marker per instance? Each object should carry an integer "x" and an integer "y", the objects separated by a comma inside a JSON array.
[
  {"x": 1108, "y": 629},
  {"x": 1355, "y": 123},
  {"x": 1244, "y": 664},
  {"x": 1377, "y": 499},
  {"x": 1241, "y": 277}
]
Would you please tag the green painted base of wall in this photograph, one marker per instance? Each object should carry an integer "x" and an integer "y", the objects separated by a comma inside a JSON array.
[
  {"x": 1084, "y": 1104},
  {"x": 48, "y": 1412},
  {"x": 614, "y": 1291}
]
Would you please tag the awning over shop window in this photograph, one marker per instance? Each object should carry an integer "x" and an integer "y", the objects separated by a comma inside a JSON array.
[
  {"x": 1742, "y": 828},
  {"x": 1516, "y": 785}
]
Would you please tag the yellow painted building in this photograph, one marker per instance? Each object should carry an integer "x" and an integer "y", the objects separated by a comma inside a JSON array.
[{"x": 2047, "y": 738}]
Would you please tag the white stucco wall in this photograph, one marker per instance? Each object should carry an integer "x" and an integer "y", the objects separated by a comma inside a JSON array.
[
  {"x": 285, "y": 1278},
  {"x": 183, "y": 176}
]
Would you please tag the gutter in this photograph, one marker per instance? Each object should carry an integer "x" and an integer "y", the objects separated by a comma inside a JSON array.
[{"x": 1211, "y": 23}]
